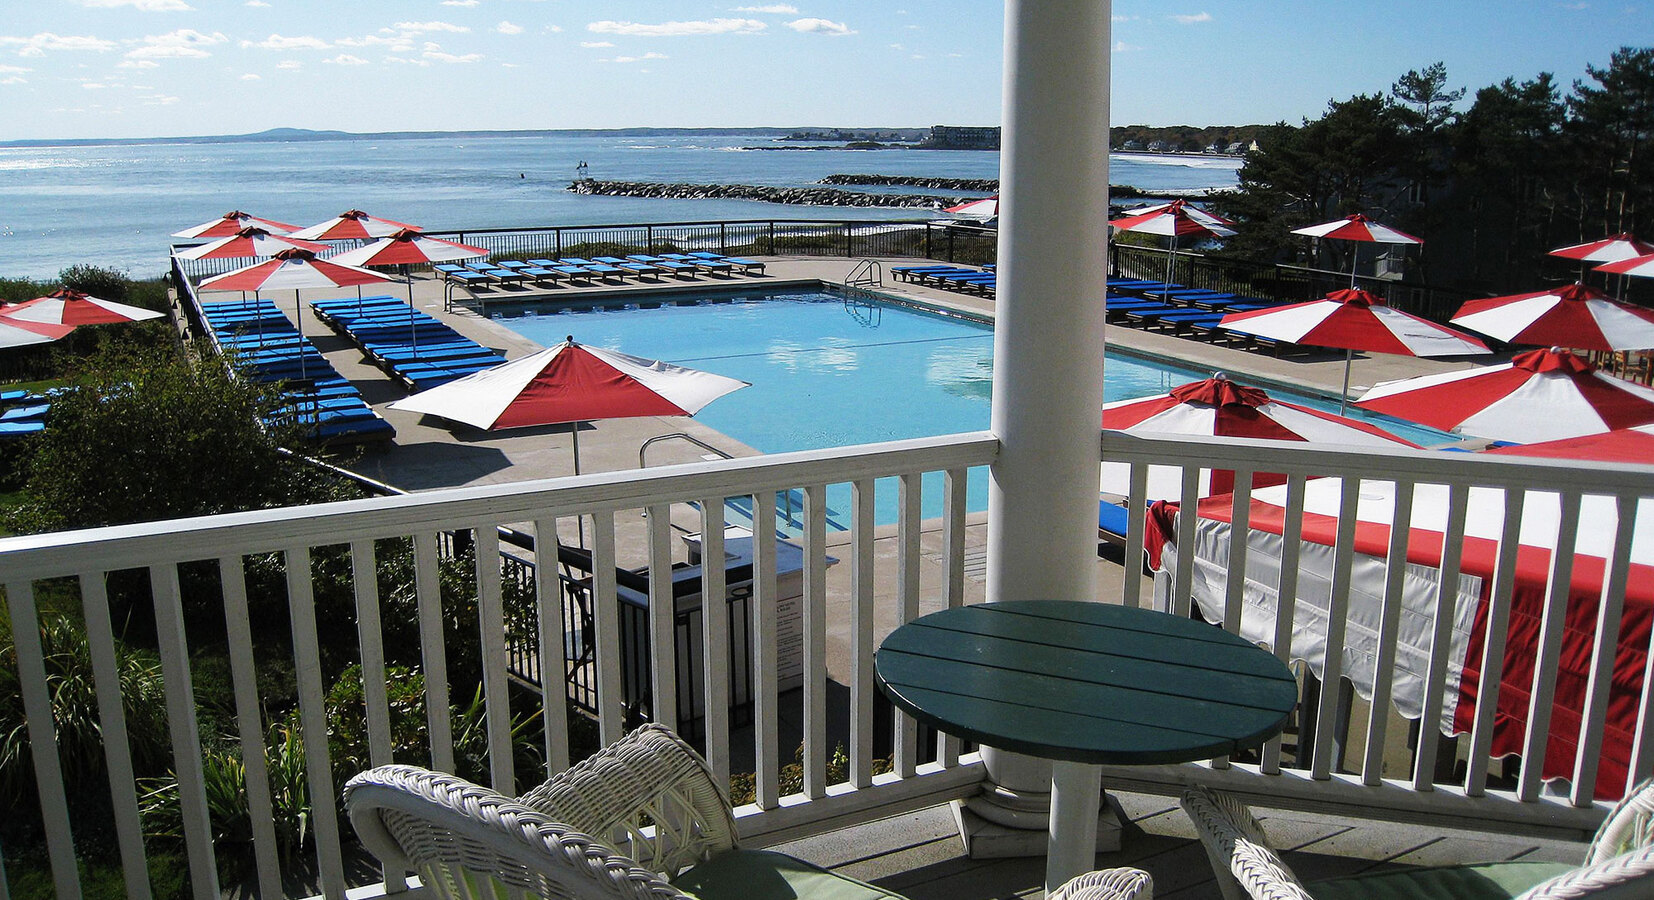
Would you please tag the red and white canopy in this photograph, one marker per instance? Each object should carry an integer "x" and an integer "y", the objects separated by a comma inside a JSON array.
[
  {"x": 1540, "y": 395},
  {"x": 1174, "y": 219},
  {"x": 1218, "y": 407},
  {"x": 1574, "y": 316},
  {"x": 1610, "y": 249},
  {"x": 22, "y": 333},
  {"x": 1202, "y": 216},
  {"x": 232, "y": 222},
  {"x": 571, "y": 383},
  {"x": 986, "y": 208},
  {"x": 250, "y": 241},
  {"x": 67, "y": 307},
  {"x": 408, "y": 247},
  {"x": 1640, "y": 266},
  {"x": 1354, "y": 319},
  {"x": 292, "y": 270},
  {"x": 1358, "y": 228},
  {"x": 1624, "y": 445},
  {"x": 352, "y": 224}
]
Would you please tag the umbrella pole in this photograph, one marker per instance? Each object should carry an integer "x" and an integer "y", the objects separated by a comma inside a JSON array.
[
  {"x": 1344, "y": 396},
  {"x": 413, "y": 334},
  {"x": 1171, "y": 260},
  {"x": 579, "y": 521},
  {"x": 298, "y": 316}
]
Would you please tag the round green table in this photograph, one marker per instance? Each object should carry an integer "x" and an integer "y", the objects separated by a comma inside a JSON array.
[{"x": 1085, "y": 684}]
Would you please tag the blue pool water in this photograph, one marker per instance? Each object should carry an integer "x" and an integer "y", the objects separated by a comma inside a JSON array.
[{"x": 826, "y": 372}]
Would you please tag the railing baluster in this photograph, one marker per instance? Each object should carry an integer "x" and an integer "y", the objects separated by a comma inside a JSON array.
[
  {"x": 1187, "y": 519},
  {"x": 765, "y": 665},
  {"x": 184, "y": 730},
  {"x": 433, "y": 651},
  {"x": 955, "y": 484},
  {"x": 324, "y": 816},
  {"x": 1286, "y": 602},
  {"x": 249, "y": 722},
  {"x": 1329, "y": 711},
  {"x": 909, "y": 493},
  {"x": 861, "y": 635},
  {"x": 611, "y": 697},
  {"x": 1441, "y": 649},
  {"x": 1136, "y": 510},
  {"x": 43, "y": 752},
  {"x": 815, "y": 641},
  {"x": 715, "y": 637},
  {"x": 496, "y": 689},
  {"x": 1611, "y": 606},
  {"x": 1384, "y": 661},
  {"x": 663, "y": 614},
  {"x": 553, "y": 635},
  {"x": 1493, "y": 648},
  {"x": 117, "y": 750},
  {"x": 1549, "y": 651}
]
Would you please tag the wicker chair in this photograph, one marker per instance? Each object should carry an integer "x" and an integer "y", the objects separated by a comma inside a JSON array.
[
  {"x": 582, "y": 835},
  {"x": 1619, "y": 865}
]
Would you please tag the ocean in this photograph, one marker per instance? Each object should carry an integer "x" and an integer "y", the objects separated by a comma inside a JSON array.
[{"x": 114, "y": 205}]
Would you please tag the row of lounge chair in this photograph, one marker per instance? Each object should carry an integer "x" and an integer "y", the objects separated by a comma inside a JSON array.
[
  {"x": 954, "y": 278},
  {"x": 23, "y": 413},
  {"x": 577, "y": 270},
  {"x": 409, "y": 345},
  {"x": 1184, "y": 311},
  {"x": 266, "y": 347}
]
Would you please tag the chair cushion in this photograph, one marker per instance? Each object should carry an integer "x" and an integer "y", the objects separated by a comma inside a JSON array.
[
  {"x": 1484, "y": 881},
  {"x": 767, "y": 875}
]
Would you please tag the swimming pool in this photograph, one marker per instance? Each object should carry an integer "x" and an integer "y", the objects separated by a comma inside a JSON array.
[{"x": 827, "y": 369}]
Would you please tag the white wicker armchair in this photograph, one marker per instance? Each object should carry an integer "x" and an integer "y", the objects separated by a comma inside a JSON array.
[
  {"x": 565, "y": 838},
  {"x": 1618, "y": 866}
]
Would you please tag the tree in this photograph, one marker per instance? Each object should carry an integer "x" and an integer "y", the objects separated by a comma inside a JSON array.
[{"x": 1612, "y": 125}]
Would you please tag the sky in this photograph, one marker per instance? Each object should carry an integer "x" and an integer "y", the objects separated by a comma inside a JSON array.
[{"x": 158, "y": 68}]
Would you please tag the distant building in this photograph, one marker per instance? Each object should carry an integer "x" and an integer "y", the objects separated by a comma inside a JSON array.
[
  {"x": 1132, "y": 146},
  {"x": 962, "y": 137},
  {"x": 1157, "y": 146}
]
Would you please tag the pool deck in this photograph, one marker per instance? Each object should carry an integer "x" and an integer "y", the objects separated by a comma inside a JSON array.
[{"x": 919, "y": 855}]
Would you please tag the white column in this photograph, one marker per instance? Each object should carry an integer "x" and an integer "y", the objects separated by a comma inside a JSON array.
[{"x": 1048, "y": 330}]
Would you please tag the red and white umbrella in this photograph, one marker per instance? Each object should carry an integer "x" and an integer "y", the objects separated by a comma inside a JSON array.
[
  {"x": 67, "y": 307},
  {"x": 1194, "y": 212},
  {"x": 1172, "y": 221},
  {"x": 352, "y": 224},
  {"x": 407, "y": 247},
  {"x": 1357, "y": 228},
  {"x": 1610, "y": 249},
  {"x": 1351, "y": 320},
  {"x": 1218, "y": 407},
  {"x": 571, "y": 382},
  {"x": 22, "y": 333},
  {"x": 250, "y": 241},
  {"x": 1633, "y": 445},
  {"x": 986, "y": 208},
  {"x": 232, "y": 222},
  {"x": 1540, "y": 395},
  {"x": 1574, "y": 316},
  {"x": 1640, "y": 266}
]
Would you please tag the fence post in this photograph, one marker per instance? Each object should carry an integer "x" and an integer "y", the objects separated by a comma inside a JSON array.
[{"x": 723, "y": 237}]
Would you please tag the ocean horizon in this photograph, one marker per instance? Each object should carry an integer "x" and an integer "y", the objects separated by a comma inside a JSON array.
[{"x": 114, "y": 203}]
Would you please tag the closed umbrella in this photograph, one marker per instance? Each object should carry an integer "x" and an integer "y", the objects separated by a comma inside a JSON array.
[
  {"x": 1357, "y": 228},
  {"x": 1218, "y": 407},
  {"x": 1351, "y": 320},
  {"x": 251, "y": 241},
  {"x": 1172, "y": 221},
  {"x": 1540, "y": 395},
  {"x": 351, "y": 225},
  {"x": 1575, "y": 316},
  {"x": 69, "y": 307},
  {"x": 232, "y": 222}
]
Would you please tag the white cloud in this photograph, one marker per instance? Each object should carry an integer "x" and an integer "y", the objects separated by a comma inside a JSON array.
[
  {"x": 553, "y": 29},
  {"x": 142, "y": 5},
  {"x": 158, "y": 100},
  {"x": 440, "y": 56},
  {"x": 38, "y": 44},
  {"x": 679, "y": 29},
  {"x": 396, "y": 43},
  {"x": 13, "y": 79},
  {"x": 345, "y": 59},
  {"x": 633, "y": 59},
  {"x": 595, "y": 45},
  {"x": 406, "y": 61},
  {"x": 258, "y": 4},
  {"x": 417, "y": 27},
  {"x": 13, "y": 70},
  {"x": 460, "y": 2},
  {"x": 138, "y": 64},
  {"x": 1192, "y": 20},
  {"x": 1122, "y": 18},
  {"x": 508, "y": 28},
  {"x": 185, "y": 43},
  {"x": 251, "y": 77},
  {"x": 819, "y": 26},
  {"x": 897, "y": 47},
  {"x": 290, "y": 64},
  {"x": 778, "y": 9},
  {"x": 508, "y": 65},
  {"x": 1123, "y": 47},
  {"x": 93, "y": 85},
  {"x": 279, "y": 42}
]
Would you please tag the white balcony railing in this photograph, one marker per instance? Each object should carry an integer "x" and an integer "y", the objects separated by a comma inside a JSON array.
[{"x": 221, "y": 564}]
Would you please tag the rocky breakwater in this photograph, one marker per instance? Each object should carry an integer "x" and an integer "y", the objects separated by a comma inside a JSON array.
[
  {"x": 982, "y": 185},
  {"x": 795, "y": 196}
]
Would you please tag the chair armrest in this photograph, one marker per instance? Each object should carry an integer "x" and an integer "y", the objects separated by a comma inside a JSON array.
[
  {"x": 1626, "y": 877},
  {"x": 1242, "y": 860},
  {"x": 1629, "y": 826},
  {"x": 1107, "y": 884},
  {"x": 648, "y": 778}
]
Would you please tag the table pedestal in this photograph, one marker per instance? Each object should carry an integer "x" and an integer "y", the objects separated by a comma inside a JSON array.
[{"x": 1012, "y": 815}]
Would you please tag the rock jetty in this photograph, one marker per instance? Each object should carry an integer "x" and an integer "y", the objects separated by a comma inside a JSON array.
[
  {"x": 983, "y": 185},
  {"x": 801, "y": 196}
]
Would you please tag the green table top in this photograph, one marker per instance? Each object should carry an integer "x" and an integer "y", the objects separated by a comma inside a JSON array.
[{"x": 1086, "y": 682}]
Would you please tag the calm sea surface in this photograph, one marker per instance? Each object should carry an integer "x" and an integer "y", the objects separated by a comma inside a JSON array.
[{"x": 114, "y": 205}]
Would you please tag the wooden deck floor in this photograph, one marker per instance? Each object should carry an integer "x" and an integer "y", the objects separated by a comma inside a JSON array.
[{"x": 921, "y": 857}]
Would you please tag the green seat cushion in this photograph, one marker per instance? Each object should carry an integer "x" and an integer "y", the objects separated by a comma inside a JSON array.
[
  {"x": 767, "y": 875},
  {"x": 1484, "y": 881}
]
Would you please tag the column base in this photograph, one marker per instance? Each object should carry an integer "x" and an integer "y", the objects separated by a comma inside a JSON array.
[{"x": 986, "y": 838}]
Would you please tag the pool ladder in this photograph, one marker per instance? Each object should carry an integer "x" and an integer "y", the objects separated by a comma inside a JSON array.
[
  {"x": 868, "y": 273},
  {"x": 738, "y": 510}
]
